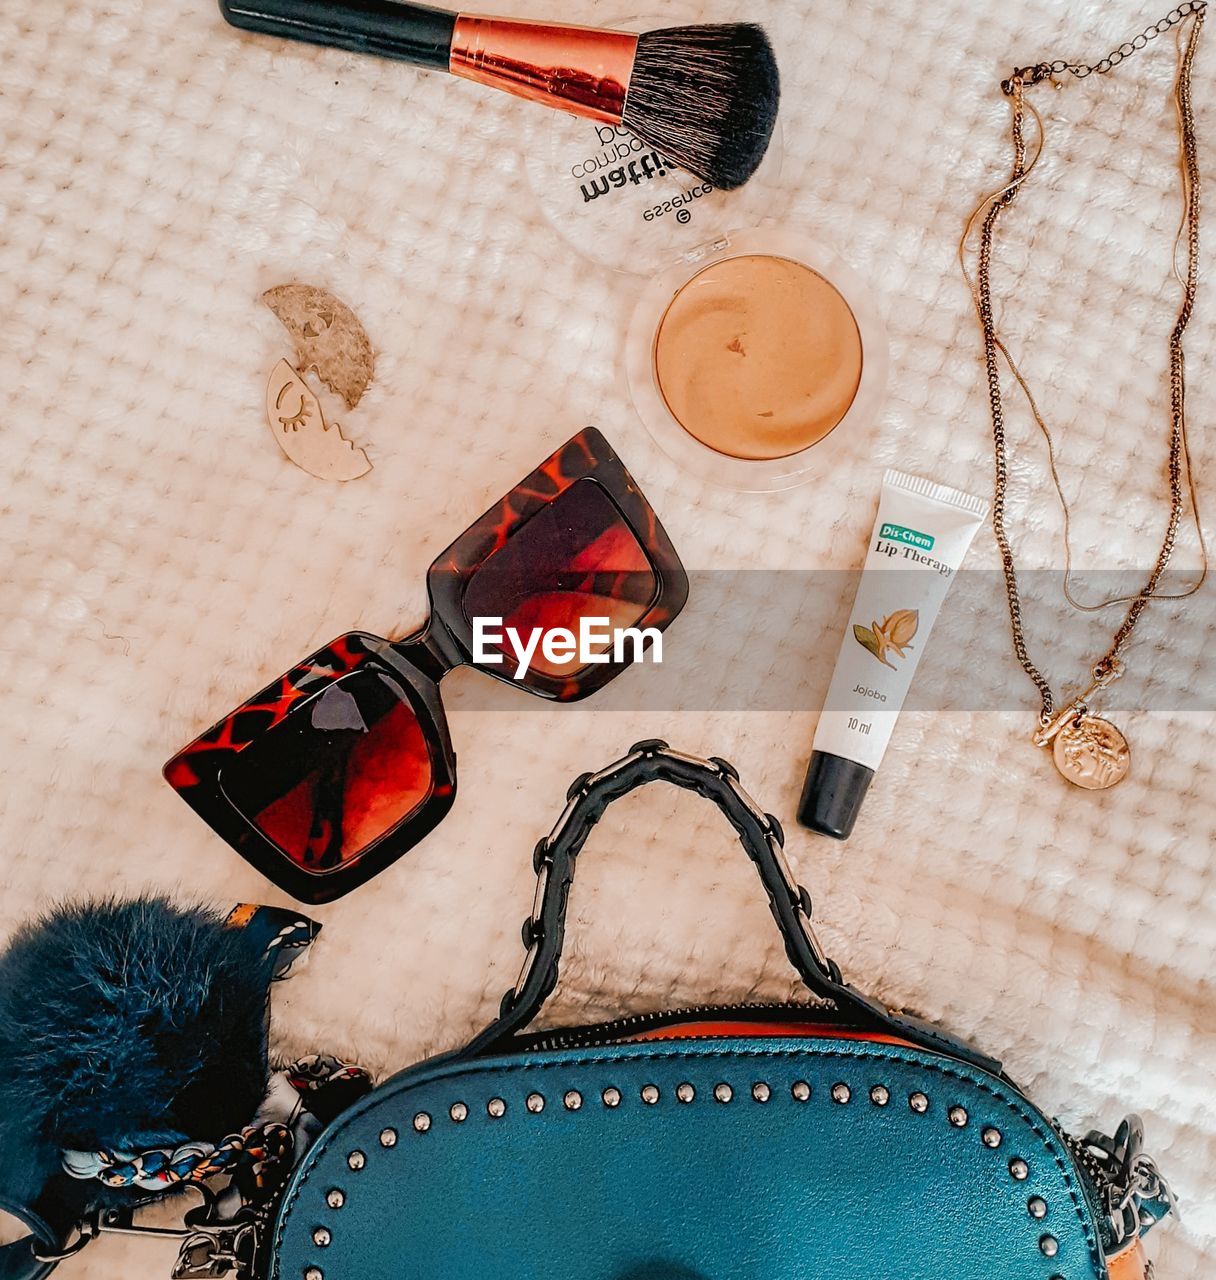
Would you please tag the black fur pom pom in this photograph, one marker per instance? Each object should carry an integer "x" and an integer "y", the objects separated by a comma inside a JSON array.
[{"x": 124, "y": 1025}]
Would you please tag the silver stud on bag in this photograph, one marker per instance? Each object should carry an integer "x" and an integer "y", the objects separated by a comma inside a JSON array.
[
  {"x": 496, "y": 1108},
  {"x": 800, "y": 1090},
  {"x": 841, "y": 1092},
  {"x": 650, "y": 1094},
  {"x": 1037, "y": 1207},
  {"x": 422, "y": 1122},
  {"x": 314, "y": 1273},
  {"x": 1019, "y": 1170},
  {"x": 957, "y": 1116},
  {"x": 1049, "y": 1246},
  {"x": 356, "y": 1159},
  {"x": 685, "y": 1092},
  {"x": 573, "y": 1100},
  {"x": 761, "y": 1092},
  {"x": 880, "y": 1095},
  {"x": 919, "y": 1103},
  {"x": 388, "y": 1137},
  {"x": 612, "y": 1097},
  {"x": 535, "y": 1103},
  {"x": 723, "y": 1092},
  {"x": 991, "y": 1137},
  {"x": 335, "y": 1198},
  {"x": 322, "y": 1237},
  {"x": 459, "y": 1112}
]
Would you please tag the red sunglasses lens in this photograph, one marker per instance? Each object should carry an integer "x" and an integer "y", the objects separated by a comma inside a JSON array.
[
  {"x": 342, "y": 770},
  {"x": 576, "y": 558}
]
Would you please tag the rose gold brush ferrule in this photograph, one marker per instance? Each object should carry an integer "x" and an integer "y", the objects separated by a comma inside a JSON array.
[{"x": 577, "y": 69}]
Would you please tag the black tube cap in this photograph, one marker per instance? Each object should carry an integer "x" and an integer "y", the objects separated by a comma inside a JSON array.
[{"x": 832, "y": 794}]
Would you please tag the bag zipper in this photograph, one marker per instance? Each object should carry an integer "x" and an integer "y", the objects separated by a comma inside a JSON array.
[{"x": 617, "y": 1031}]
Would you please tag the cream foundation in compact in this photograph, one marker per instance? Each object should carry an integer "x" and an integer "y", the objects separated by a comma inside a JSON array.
[
  {"x": 742, "y": 361},
  {"x": 758, "y": 357}
]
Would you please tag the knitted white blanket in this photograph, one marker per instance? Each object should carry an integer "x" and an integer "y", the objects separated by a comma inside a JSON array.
[{"x": 162, "y": 559}]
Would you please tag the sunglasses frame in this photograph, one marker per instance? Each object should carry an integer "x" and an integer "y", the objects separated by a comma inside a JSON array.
[{"x": 414, "y": 667}]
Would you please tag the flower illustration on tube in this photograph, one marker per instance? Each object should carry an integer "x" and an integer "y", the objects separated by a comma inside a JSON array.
[{"x": 893, "y": 635}]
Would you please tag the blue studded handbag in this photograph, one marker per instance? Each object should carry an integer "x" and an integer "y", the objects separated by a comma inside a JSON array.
[{"x": 832, "y": 1140}]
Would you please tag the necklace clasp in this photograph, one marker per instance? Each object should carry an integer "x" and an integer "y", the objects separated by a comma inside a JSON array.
[
  {"x": 1077, "y": 706},
  {"x": 1027, "y": 75}
]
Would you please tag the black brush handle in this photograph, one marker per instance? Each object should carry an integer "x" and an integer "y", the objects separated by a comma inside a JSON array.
[{"x": 413, "y": 33}]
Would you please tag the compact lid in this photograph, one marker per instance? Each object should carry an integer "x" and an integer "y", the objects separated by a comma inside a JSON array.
[{"x": 620, "y": 203}]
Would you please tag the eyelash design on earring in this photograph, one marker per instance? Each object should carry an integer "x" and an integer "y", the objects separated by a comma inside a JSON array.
[
  {"x": 313, "y": 444},
  {"x": 293, "y": 422}
]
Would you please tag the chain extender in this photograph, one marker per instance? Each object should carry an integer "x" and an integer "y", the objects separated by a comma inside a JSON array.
[{"x": 1045, "y": 70}]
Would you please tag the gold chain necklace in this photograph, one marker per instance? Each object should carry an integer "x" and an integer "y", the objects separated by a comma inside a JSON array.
[{"x": 1087, "y": 749}]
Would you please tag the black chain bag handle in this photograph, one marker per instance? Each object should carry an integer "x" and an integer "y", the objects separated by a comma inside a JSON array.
[{"x": 762, "y": 839}]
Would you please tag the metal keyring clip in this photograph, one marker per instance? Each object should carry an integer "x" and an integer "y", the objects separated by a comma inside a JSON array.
[{"x": 120, "y": 1221}]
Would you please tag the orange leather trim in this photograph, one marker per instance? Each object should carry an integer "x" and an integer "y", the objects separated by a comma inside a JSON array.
[
  {"x": 241, "y": 914},
  {"x": 704, "y": 1030},
  {"x": 1131, "y": 1264}
]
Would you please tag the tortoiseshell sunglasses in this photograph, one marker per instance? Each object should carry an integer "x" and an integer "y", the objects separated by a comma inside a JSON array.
[{"x": 343, "y": 764}]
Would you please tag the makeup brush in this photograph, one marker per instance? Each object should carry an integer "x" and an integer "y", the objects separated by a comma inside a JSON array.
[{"x": 704, "y": 97}]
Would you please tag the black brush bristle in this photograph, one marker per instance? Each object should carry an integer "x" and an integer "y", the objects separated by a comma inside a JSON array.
[{"x": 705, "y": 97}]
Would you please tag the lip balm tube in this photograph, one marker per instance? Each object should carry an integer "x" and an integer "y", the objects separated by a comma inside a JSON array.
[{"x": 921, "y": 535}]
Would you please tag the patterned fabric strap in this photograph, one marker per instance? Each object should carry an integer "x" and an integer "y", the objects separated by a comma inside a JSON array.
[
  {"x": 262, "y": 1147},
  {"x": 302, "y": 1096}
]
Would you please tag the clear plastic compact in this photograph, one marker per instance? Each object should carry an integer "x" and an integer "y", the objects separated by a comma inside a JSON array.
[{"x": 747, "y": 347}]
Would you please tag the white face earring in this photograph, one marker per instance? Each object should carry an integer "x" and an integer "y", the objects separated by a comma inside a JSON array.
[
  {"x": 299, "y": 426},
  {"x": 332, "y": 343}
]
